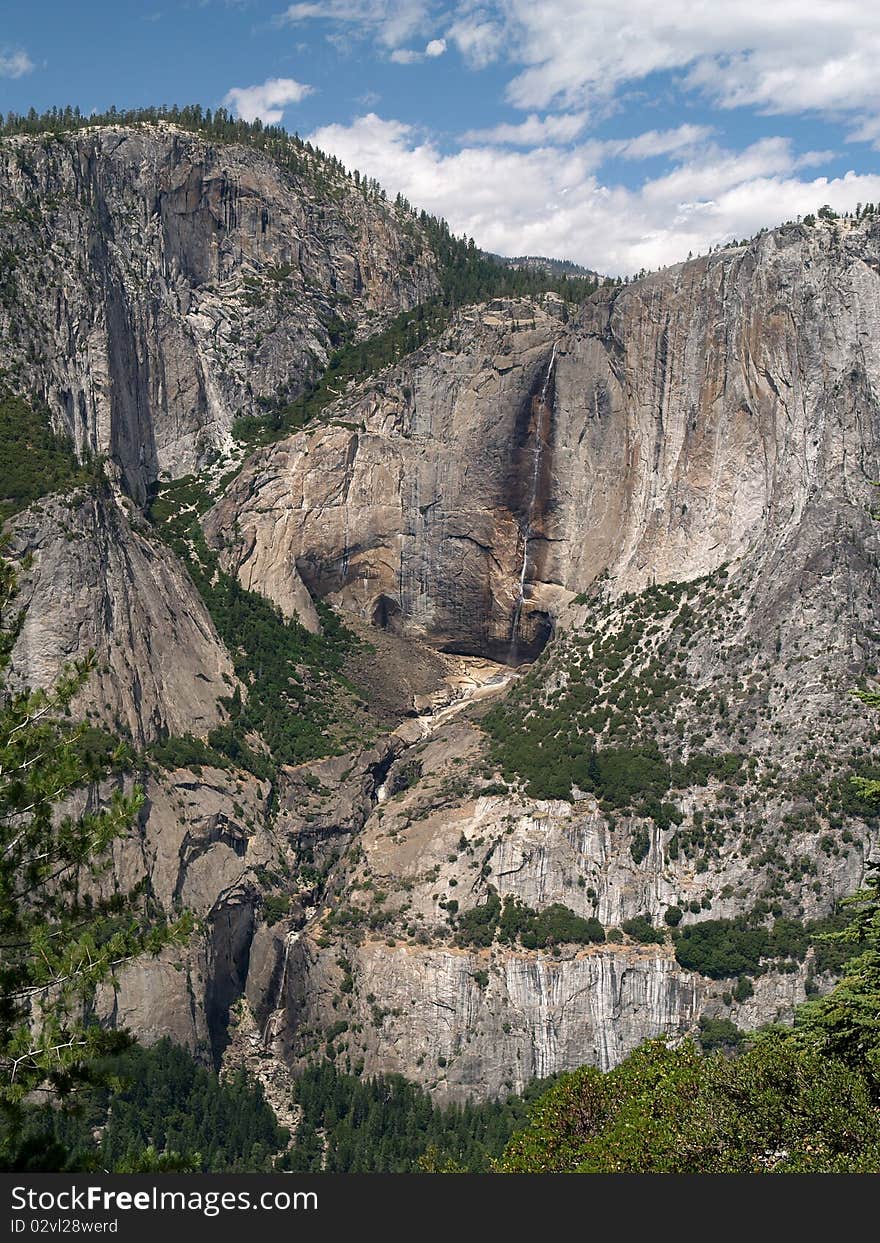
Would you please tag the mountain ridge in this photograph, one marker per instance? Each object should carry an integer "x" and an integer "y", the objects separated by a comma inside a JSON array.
[{"x": 618, "y": 558}]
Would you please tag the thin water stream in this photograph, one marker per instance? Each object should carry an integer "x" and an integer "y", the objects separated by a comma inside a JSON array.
[{"x": 528, "y": 529}]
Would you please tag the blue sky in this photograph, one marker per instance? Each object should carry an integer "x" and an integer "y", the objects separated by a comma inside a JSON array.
[{"x": 618, "y": 134}]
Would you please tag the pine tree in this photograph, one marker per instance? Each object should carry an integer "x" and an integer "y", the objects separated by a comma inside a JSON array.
[
  {"x": 57, "y": 940},
  {"x": 846, "y": 1022}
]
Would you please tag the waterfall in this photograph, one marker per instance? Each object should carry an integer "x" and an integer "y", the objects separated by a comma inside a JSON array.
[
  {"x": 276, "y": 1013},
  {"x": 346, "y": 498},
  {"x": 537, "y": 455},
  {"x": 345, "y": 552}
]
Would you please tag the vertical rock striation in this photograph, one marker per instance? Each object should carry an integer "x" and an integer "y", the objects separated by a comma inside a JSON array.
[
  {"x": 526, "y": 474},
  {"x": 161, "y": 285}
]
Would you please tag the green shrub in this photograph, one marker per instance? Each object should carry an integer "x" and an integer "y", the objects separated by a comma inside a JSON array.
[
  {"x": 640, "y": 843},
  {"x": 558, "y": 925},
  {"x": 275, "y": 907},
  {"x": 554, "y": 925},
  {"x": 722, "y": 947},
  {"x": 744, "y": 989},
  {"x": 34, "y": 461},
  {"x": 185, "y": 751},
  {"x": 719, "y": 1034},
  {"x": 477, "y": 925},
  {"x": 641, "y": 929},
  {"x": 777, "y": 1108}
]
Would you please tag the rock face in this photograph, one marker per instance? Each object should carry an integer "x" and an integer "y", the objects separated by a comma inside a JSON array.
[
  {"x": 715, "y": 408},
  {"x": 162, "y": 284},
  {"x": 413, "y": 506},
  {"x": 722, "y": 414},
  {"x": 201, "y": 843},
  {"x": 535, "y": 1015},
  {"x": 514, "y": 490},
  {"x": 380, "y": 956},
  {"x": 96, "y": 583},
  {"x": 708, "y": 412}
]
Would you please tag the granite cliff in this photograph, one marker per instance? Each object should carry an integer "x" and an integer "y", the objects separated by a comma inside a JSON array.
[
  {"x": 613, "y": 570},
  {"x": 158, "y": 285}
]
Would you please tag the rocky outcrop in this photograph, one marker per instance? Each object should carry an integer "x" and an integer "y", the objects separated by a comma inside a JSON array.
[
  {"x": 716, "y": 423},
  {"x": 530, "y": 474},
  {"x": 159, "y": 285},
  {"x": 463, "y": 1019},
  {"x": 92, "y": 581},
  {"x": 708, "y": 412},
  {"x": 201, "y": 845},
  {"x": 477, "y": 1024},
  {"x": 411, "y": 505}
]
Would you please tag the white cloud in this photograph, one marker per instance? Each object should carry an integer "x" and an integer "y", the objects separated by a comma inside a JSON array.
[
  {"x": 536, "y": 184},
  {"x": 658, "y": 142},
  {"x": 785, "y": 56},
  {"x": 266, "y": 100},
  {"x": 395, "y": 23},
  {"x": 478, "y": 37},
  {"x": 867, "y": 130},
  {"x": 780, "y": 56},
  {"x": 565, "y": 127},
  {"x": 533, "y": 131},
  {"x": 409, "y": 56},
  {"x": 15, "y": 64},
  {"x": 390, "y": 22},
  {"x": 550, "y": 201}
]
